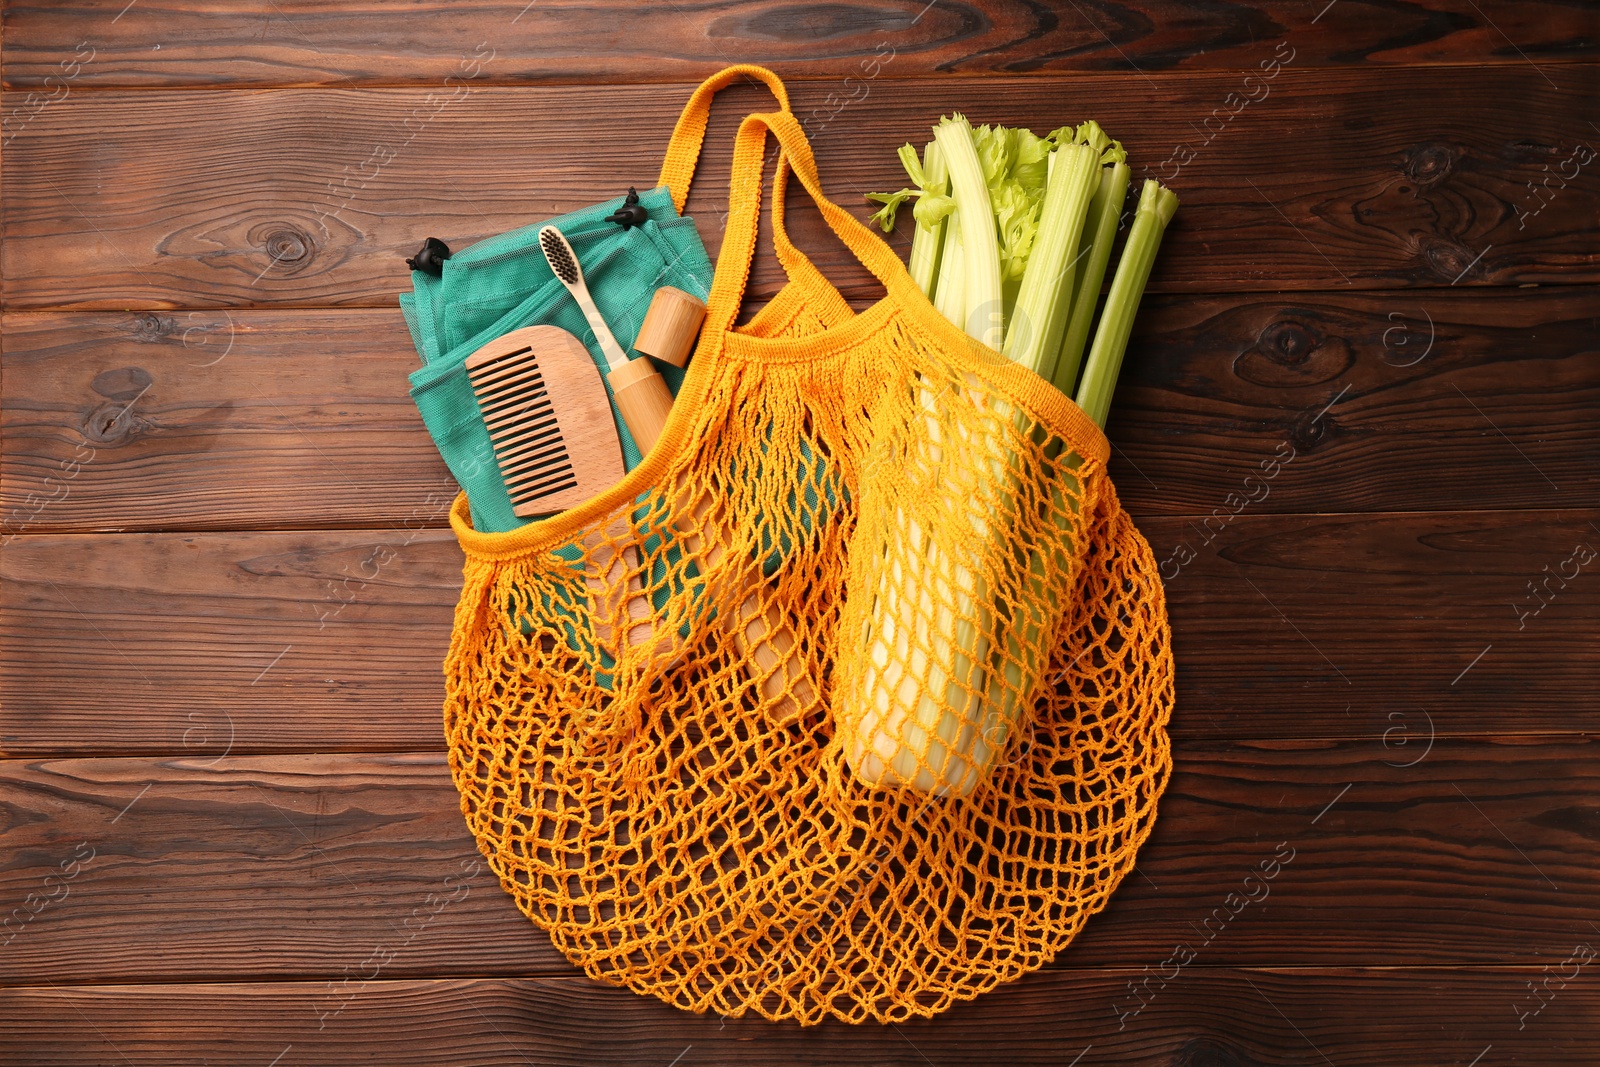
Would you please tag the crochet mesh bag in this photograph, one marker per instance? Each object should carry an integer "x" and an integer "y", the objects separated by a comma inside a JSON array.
[{"x": 851, "y": 698}]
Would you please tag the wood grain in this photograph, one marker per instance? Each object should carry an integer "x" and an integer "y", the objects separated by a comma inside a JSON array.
[
  {"x": 303, "y": 42},
  {"x": 310, "y": 641},
  {"x": 225, "y": 589},
  {"x": 1380, "y": 402},
  {"x": 1377, "y": 621},
  {"x": 1284, "y": 626},
  {"x": 215, "y": 420},
  {"x": 1209, "y": 1017},
  {"x": 196, "y": 199},
  {"x": 299, "y": 866},
  {"x": 1450, "y": 400}
]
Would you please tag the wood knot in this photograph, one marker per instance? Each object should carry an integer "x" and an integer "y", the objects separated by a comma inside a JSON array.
[
  {"x": 286, "y": 247},
  {"x": 1312, "y": 428},
  {"x": 1209, "y": 1052},
  {"x": 1450, "y": 261},
  {"x": 1290, "y": 352},
  {"x": 147, "y": 328},
  {"x": 1287, "y": 343},
  {"x": 1429, "y": 163},
  {"x": 112, "y": 423},
  {"x": 816, "y": 22},
  {"x": 294, "y": 246}
]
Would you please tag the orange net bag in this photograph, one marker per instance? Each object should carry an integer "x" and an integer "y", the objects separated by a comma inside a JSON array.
[{"x": 851, "y": 698}]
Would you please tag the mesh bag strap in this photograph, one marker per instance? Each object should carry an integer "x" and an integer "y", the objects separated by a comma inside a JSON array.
[
  {"x": 683, "y": 151},
  {"x": 688, "y": 138},
  {"x": 744, "y": 210}
]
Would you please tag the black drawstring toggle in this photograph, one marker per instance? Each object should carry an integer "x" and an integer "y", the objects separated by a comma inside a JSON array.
[
  {"x": 631, "y": 213},
  {"x": 430, "y": 257}
]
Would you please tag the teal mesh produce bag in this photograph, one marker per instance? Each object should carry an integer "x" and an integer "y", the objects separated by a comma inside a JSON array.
[{"x": 504, "y": 283}]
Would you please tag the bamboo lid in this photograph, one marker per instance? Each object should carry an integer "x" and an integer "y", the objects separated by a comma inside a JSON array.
[{"x": 670, "y": 326}]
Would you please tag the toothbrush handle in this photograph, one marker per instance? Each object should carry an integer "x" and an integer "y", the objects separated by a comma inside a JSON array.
[
  {"x": 616, "y": 359},
  {"x": 643, "y": 401}
]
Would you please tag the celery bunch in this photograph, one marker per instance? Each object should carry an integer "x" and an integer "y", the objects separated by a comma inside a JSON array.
[
  {"x": 1013, "y": 238},
  {"x": 1014, "y": 235}
]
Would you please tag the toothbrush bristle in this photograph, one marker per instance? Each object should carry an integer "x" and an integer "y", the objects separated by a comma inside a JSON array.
[{"x": 559, "y": 254}]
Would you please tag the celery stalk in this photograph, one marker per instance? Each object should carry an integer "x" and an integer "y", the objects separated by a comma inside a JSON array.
[
  {"x": 1033, "y": 339},
  {"x": 951, "y": 296},
  {"x": 1100, "y": 234},
  {"x": 1157, "y": 205},
  {"x": 1026, "y": 650},
  {"x": 928, "y": 237},
  {"x": 1033, "y": 334},
  {"x": 931, "y": 183},
  {"x": 1156, "y": 208},
  {"x": 980, "y": 245},
  {"x": 928, "y": 647}
]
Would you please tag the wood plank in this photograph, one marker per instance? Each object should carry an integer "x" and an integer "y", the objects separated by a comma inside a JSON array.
[
  {"x": 214, "y": 420},
  {"x": 1284, "y": 626},
  {"x": 1360, "y": 624},
  {"x": 1209, "y": 1016},
  {"x": 1455, "y": 400},
  {"x": 311, "y": 641},
  {"x": 299, "y": 866},
  {"x": 301, "y": 42},
  {"x": 1390, "y": 178},
  {"x": 303, "y": 864},
  {"x": 1375, "y": 402}
]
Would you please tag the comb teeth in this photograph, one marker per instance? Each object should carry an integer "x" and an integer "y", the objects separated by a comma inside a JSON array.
[
  {"x": 522, "y": 426},
  {"x": 559, "y": 253}
]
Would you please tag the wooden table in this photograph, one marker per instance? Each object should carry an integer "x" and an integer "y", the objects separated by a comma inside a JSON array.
[{"x": 227, "y": 831}]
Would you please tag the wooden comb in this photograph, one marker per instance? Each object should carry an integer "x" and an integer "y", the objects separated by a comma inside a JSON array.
[{"x": 549, "y": 420}]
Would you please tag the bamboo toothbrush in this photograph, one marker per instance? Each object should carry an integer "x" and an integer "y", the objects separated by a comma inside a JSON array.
[
  {"x": 761, "y": 631},
  {"x": 642, "y": 396}
]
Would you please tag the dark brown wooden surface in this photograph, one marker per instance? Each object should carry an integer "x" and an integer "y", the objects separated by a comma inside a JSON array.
[
  {"x": 295, "y": 197},
  {"x": 1438, "y": 401},
  {"x": 295, "y": 866},
  {"x": 1285, "y": 626},
  {"x": 386, "y": 42},
  {"x": 1351, "y": 1017},
  {"x": 226, "y": 585}
]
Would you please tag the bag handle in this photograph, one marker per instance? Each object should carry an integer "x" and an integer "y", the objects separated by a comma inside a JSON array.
[
  {"x": 744, "y": 210},
  {"x": 683, "y": 150},
  {"x": 688, "y": 138}
]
